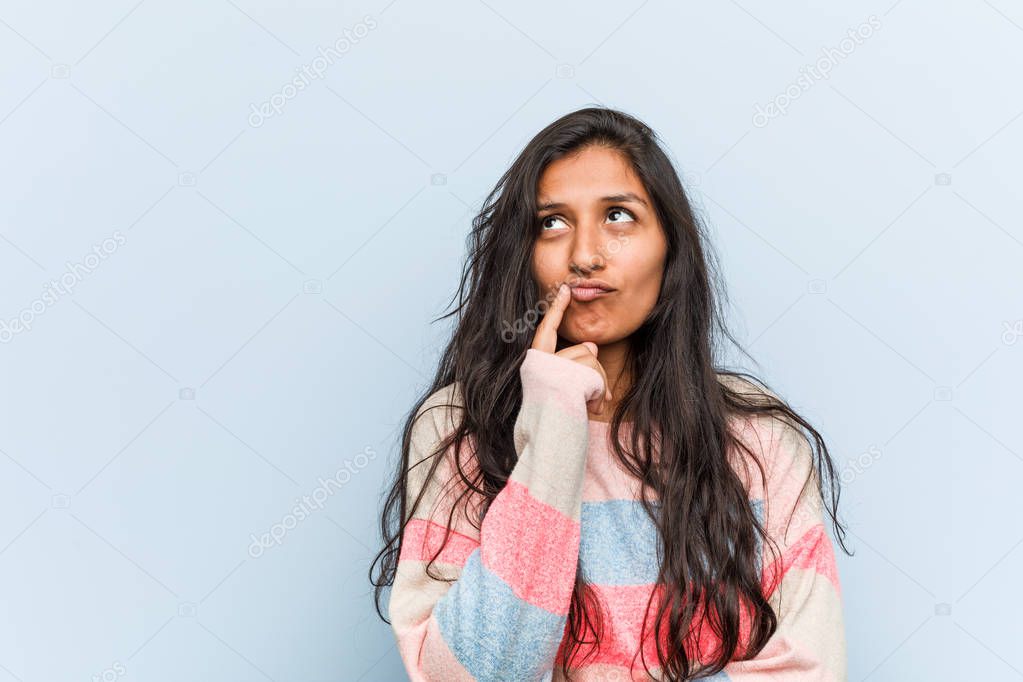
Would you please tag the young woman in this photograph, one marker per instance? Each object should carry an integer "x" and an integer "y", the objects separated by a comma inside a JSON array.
[{"x": 582, "y": 494}]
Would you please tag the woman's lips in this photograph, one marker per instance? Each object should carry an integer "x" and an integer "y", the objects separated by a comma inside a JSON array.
[{"x": 588, "y": 293}]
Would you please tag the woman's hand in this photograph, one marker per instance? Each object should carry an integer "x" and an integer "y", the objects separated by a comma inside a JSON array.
[{"x": 546, "y": 340}]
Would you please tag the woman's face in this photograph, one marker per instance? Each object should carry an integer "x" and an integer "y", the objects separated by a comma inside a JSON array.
[{"x": 597, "y": 222}]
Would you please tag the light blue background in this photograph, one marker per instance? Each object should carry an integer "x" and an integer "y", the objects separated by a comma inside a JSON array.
[{"x": 286, "y": 274}]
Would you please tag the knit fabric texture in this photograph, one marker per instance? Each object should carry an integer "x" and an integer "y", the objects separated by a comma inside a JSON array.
[{"x": 500, "y": 608}]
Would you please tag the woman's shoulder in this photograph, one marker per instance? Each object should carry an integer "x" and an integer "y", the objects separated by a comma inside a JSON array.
[
  {"x": 745, "y": 385},
  {"x": 440, "y": 412},
  {"x": 440, "y": 416},
  {"x": 770, "y": 440},
  {"x": 437, "y": 465}
]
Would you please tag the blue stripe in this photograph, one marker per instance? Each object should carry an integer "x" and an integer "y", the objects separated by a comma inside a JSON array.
[
  {"x": 619, "y": 543},
  {"x": 493, "y": 633},
  {"x": 758, "y": 511}
]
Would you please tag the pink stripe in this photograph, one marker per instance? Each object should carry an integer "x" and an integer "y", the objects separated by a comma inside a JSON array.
[
  {"x": 621, "y": 640},
  {"x": 623, "y": 620},
  {"x": 622, "y": 637},
  {"x": 541, "y": 370},
  {"x": 531, "y": 546},
  {"x": 567, "y": 404},
  {"x": 423, "y": 538},
  {"x": 603, "y": 672},
  {"x": 812, "y": 552},
  {"x": 781, "y": 659},
  {"x": 606, "y": 478}
]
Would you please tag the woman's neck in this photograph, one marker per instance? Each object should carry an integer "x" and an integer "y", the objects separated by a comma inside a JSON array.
[{"x": 612, "y": 358}]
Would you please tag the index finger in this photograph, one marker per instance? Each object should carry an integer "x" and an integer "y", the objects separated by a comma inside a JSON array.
[{"x": 546, "y": 337}]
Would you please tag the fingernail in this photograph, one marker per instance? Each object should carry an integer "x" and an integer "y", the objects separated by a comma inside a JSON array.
[{"x": 562, "y": 288}]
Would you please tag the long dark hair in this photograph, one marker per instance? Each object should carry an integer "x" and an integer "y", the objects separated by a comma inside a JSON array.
[{"x": 704, "y": 508}]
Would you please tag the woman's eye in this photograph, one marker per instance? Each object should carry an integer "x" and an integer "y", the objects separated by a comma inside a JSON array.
[
  {"x": 620, "y": 211},
  {"x": 544, "y": 222}
]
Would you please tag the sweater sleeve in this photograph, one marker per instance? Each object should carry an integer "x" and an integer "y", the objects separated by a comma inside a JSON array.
[
  {"x": 801, "y": 580},
  {"x": 503, "y": 611}
]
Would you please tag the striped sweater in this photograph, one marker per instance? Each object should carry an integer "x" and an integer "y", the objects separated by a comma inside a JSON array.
[{"x": 569, "y": 504}]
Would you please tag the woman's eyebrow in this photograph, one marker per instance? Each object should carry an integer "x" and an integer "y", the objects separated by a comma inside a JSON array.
[
  {"x": 624, "y": 197},
  {"x": 610, "y": 199}
]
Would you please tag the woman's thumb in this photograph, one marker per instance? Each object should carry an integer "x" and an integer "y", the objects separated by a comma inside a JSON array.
[{"x": 592, "y": 346}]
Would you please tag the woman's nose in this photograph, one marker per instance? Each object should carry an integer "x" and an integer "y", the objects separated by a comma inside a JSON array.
[{"x": 587, "y": 251}]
